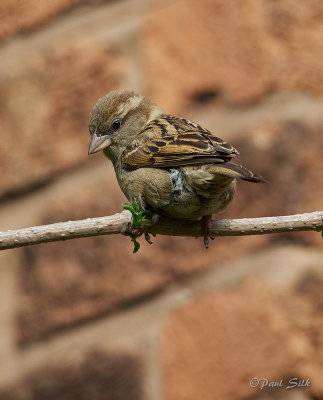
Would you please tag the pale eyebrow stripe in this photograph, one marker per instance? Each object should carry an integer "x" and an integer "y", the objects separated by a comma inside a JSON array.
[{"x": 130, "y": 104}]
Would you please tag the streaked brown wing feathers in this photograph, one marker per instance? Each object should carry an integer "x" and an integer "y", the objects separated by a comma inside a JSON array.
[{"x": 193, "y": 145}]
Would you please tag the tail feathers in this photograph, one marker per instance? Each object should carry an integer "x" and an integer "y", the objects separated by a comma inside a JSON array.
[{"x": 240, "y": 172}]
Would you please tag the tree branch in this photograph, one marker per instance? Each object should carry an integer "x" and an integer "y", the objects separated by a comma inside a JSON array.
[{"x": 121, "y": 223}]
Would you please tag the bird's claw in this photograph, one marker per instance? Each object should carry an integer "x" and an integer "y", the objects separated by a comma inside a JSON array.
[
  {"x": 148, "y": 238},
  {"x": 206, "y": 221}
]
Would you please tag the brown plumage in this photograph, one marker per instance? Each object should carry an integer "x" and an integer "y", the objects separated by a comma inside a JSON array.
[{"x": 173, "y": 166}]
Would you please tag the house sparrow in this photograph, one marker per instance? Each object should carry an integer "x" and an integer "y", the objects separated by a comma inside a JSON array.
[{"x": 167, "y": 165}]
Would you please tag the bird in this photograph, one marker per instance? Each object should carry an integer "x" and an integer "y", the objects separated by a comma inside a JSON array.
[{"x": 165, "y": 165}]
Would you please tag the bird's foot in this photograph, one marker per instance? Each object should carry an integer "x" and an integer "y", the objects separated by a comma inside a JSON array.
[
  {"x": 148, "y": 238},
  {"x": 206, "y": 220},
  {"x": 139, "y": 216},
  {"x": 154, "y": 219}
]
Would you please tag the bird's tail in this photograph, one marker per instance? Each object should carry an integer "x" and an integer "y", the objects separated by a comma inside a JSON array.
[{"x": 240, "y": 172}]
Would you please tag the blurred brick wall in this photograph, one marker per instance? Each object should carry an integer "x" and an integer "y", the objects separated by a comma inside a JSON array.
[{"x": 87, "y": 319}]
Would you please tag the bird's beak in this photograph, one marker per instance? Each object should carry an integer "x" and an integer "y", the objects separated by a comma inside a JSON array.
[{"x": 98, "y": 143}]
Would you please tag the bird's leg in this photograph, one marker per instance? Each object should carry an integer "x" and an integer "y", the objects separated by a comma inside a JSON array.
[
  {"x": 206, "y": 219},
  {"x": 139, "y": 215},
  {"x": 154, "y": 219}
]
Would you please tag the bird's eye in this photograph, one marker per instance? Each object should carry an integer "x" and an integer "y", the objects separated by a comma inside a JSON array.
[{"x": 116, "y": 124}]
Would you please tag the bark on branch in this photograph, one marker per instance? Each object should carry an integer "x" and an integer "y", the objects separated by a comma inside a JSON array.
[{"x": 120, "y": 223}]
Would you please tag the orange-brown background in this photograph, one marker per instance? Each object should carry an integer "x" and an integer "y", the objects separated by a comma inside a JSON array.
[{"x": 87, "y": 319}]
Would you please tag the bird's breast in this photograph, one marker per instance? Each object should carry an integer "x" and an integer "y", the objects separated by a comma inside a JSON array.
[{"x": 168, "y": 192}]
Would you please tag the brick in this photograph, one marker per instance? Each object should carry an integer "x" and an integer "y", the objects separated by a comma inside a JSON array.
[
  {"x": 212, "y": 347},
  {"x": 100, "y": 376},
  {"x": 239, "y": 51},
  {"x": 17, "y": 16},
  {"x": 287, "y": 153},
  {"x": 47, "y": 101}
]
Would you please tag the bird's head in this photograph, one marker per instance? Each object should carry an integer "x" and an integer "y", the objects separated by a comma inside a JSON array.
[{"x": 116, "y": 119}]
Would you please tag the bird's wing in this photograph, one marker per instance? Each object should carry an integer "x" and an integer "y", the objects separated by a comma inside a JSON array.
[{"x": 170, "y": 142}]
